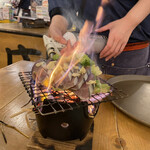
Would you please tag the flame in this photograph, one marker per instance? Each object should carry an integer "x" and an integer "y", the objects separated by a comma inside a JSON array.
[
  {"x": 83, "y": 46},
  {"x": 99, "y": 17},
  {"x": 52, "y": 77},
  {"x": 72, "y": 63}
]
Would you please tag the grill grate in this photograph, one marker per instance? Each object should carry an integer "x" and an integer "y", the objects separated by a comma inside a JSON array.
[{"x": 51, "y": 102}]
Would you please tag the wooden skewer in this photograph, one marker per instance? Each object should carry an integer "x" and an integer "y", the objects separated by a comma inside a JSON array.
[
  {"x": 10, "y": 126},
  {"x": 22, "y": 111},
  {"x": 17, "y": 130},
  {"x": 4, "y": 137}
]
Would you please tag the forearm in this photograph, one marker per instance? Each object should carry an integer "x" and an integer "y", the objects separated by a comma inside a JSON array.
[
  {"x": 138, "y": 13},
  {"x": 63, "y": 8},
  {"x": 59, "y": 20}
]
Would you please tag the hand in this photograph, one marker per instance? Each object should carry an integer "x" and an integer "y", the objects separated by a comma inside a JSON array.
[
  {"x": 69, "y": 49},
  {"x": 58, "y": 28},
  {"x": 82, "y": 45},
  {"x": 119, "y": 33}
]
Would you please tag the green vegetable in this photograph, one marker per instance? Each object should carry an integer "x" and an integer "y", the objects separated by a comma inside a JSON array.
[
  {"x": 82, "y": 70},
  {"x": 55, "y": 57},
  {"x": 97, "y": 87},
  {"x": 98, "y": 84},
  {"x": 101, "y": 88},
  {"x": 105, "y": 88},
  {"x": 95, "y": 70},
  {"x": 86, "y": 61},
  {"x": 97, "y": 90},
  {"x": 56, "y": 89},
  {"x": 91, "y": 82}
]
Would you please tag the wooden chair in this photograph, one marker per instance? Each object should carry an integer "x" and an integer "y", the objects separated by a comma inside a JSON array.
[{"x": 24, "y": 52}]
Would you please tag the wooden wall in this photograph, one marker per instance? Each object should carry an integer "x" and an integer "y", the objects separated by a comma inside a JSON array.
[{"x": 12, "y": 40}]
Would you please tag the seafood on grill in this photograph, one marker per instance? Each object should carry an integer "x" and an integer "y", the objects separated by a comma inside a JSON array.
[
  {"x": 82, "y": 78},
  {"x": 75, "y": 72}
]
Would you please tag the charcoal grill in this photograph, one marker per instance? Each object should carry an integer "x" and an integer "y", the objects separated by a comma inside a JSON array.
[{"x": 60, "y": 114}]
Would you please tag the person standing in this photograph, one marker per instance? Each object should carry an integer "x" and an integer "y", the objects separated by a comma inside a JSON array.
[{"x": 125, "y": 23}]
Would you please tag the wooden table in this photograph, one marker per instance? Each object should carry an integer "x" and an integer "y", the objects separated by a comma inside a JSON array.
[{"x": 111, "y": 125}]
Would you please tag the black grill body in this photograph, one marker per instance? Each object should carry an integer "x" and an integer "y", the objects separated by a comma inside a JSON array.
[
  {"x": 68, "y": 125},
  {"x": 61, "y": 117}
]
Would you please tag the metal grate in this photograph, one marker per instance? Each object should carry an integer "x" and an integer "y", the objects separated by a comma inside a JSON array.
[{"x": 51, "y": 102}]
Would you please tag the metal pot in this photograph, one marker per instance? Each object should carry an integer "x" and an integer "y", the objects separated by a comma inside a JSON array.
[{"x": 68, "y": 125}]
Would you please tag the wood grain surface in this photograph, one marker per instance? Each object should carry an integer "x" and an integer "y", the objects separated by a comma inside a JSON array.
[
  {"x": 12, "y": 97},
  {"x": 11, "y": 41},
  {"x": 113, "y": 130},
  {"x": 10, "y": 85},
  {"x": 37, "y": 142}
]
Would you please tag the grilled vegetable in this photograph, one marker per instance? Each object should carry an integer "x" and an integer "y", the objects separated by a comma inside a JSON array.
[
  {"x": 86, "y": 61},
  {"x": 95, "y": 70},
  {"x": 82, "y": 79},
  {"x": 55, "y": 57}
]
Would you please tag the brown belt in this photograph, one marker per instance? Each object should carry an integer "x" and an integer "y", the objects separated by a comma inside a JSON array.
[{"x": 136, "y": 46}]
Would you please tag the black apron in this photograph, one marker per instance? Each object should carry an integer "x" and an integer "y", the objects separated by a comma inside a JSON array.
[{"x": 128, "y": 62}]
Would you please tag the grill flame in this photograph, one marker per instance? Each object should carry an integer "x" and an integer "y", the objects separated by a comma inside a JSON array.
[{"x": 80, "y": 47}]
